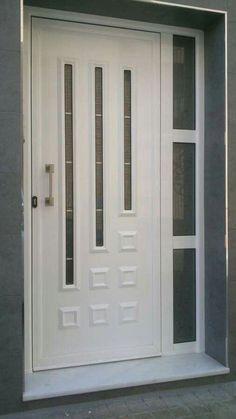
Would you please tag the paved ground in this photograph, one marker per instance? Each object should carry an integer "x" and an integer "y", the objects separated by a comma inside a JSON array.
[{"x": 214, "y": 401}]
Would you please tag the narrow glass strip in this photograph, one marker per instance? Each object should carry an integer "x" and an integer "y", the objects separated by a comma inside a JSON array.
[
  {"x": 127, "y": 142},
  {"x": 99, "y": 216},
  {"x": 68, "y": 74},
  {"x": 184, "y": 262},
  {"x": 184, "y": 189},
  {"x": 184, "y": 90}
]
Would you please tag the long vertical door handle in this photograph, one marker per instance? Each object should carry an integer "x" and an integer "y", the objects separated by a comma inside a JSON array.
[{"x": 49, "y": 200}]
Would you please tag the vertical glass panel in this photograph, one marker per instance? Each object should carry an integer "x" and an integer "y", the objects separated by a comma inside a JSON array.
[
  {"x": 184, "y": 82},
  {"x": 184, "y": 295},
  {"x": 127, "y": 142},
  {"x": 99, "y": 156},
  {"x": 69, "y": 174},
  {"x": 99, "y": 228},
  {"x": 183, "y": 189},
  {"x": 69, "y": 234}
]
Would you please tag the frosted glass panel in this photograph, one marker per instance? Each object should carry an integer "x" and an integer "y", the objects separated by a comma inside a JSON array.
[
  {"x": 99, "y": 156},
  {"x": 69, "y": 174},
  {"x": 127, "y": 142},
  {"x": 183, "y": 189},
  {"x": 184, "y": 295},
  {"x": 184, "y": 82}
]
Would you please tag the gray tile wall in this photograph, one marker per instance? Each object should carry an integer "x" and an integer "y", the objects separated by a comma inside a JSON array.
[
  {"x": 231, "y": 179},
  {"x": 215, "y": 261},
  {"x": 11, "y": 273}
]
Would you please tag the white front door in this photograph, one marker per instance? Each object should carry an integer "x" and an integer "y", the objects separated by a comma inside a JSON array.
[{"x": 96, "y": 176}]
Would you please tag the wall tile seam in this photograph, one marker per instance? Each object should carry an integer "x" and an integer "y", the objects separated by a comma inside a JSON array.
[
  {"x": 16, "y": 50},
  {"x": 14, "y": 231},
  {"x": 11, "y": 172},
  {"x": 13, "y": 295},
  {"x": 17, "y": 113}
]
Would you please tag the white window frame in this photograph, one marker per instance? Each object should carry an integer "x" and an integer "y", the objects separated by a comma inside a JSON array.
[{"x": 168, "y": 243}]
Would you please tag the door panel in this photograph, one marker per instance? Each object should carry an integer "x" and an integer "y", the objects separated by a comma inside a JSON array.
[{"x": 96, "y": 269}]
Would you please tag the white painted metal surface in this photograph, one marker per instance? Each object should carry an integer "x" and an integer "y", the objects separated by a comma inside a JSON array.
[
  {"x": 112, "y": 312},
  {"x": 168, "y": 241},
  {"x": 165, "y": 170}
]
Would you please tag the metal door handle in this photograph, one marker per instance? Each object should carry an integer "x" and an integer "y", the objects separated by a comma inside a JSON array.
[{"x": 49, "y": 200}]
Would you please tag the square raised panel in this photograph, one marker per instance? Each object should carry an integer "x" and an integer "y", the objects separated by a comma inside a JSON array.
[
  {"x": 69, "y": 316},
  {"x": 128, "y": 312},
  {"x": 128, "y": 276},
  {"x": 98, "y": 278},
  {"x": 128, "y": 241},
  {"x": 98, "y": 314}
]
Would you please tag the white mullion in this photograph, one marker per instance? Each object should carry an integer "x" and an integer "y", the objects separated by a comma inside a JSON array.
[
  {"x": 184, "y": 136},
  {"x": 200, "y": 256},
  {"x": 166, "y": 192},
  {"x": 184, "y": 242}
]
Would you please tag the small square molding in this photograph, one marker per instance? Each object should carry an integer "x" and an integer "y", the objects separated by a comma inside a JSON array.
[
  {"x": 129, "y": 312},
  {"x": 98, "y": 314},
  {"x": 98, "y": 278},
  {"x": 69, "y": 317},
  {"x": 128, "y": 241},
  {"x": 127, "y": 276}
]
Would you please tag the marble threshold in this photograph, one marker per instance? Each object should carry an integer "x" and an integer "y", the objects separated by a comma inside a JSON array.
[{"x": 115, "y": 375}]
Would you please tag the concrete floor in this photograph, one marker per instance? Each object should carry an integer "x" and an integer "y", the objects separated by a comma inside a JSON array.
[{"x": 211, "y": 401}]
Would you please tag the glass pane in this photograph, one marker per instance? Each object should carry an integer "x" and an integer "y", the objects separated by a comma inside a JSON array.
[
  {"x": 99, "y": 228},
  {"x": 99, "y": 186},
  {"x": 69, "y": 272},
  {"x": 69, "y": 137},
  {"x": 69, "y": 174},
  {"x": 69, "y": 185},
  {"x": 184, "y": 295},
  {"x": 99, "y": 156},
  {"x": 69, "y": 234},
  {"x": 127, "y": 142},
  {"x": 99, "y": 140},
  {"x": 183, "y": 189},
  {"x": 128, "y": 186},
  {"x": 184, "y": 82}
]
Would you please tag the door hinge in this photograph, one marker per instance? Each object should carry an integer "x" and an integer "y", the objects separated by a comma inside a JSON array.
[{"x": 34, "y": 201}]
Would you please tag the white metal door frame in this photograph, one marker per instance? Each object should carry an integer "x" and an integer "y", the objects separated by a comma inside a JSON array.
[{"x": 167, "y": 135}]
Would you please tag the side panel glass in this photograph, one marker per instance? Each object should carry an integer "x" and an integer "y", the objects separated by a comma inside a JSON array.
[
  {"x": 184, "y": 295},
  {"x": 183, "y": 189},
  {"x": 184, "y": 82}
]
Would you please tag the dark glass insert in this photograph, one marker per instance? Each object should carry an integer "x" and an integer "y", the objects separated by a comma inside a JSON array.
[
  {"x": 68, "y": 76},
  {"x": 99, "y": 156},
  {"x": 184, "y": 82},
  {"x": 127, "y": 142},
  {"x": 184, "y": 295},
  {"x": 183, "y": 189}
]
